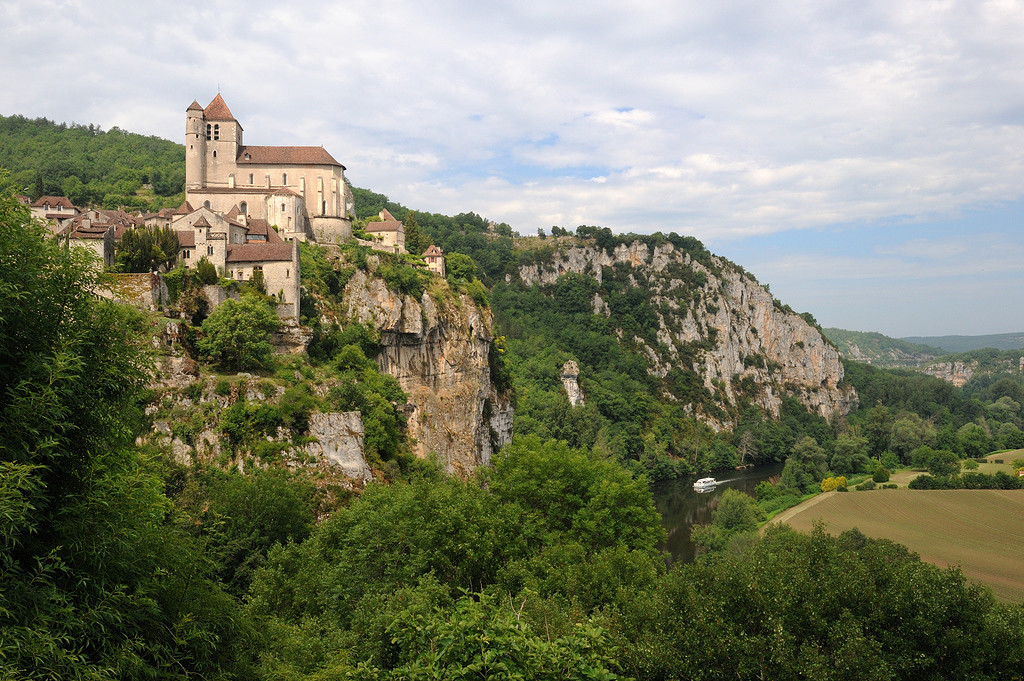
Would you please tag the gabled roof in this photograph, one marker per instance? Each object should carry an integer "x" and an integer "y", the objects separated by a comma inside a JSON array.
[
  {"x": 260, "y": 227},
  {"x": 218, "y": 110},
  {"x": 308, "y": 156},
  {"x": 433, "y": 250},
  {"x": 53, "y": 202},
  {"x": 272, "y": 252},
  {"x": 201, "y": 222},
  {"x": 234, "y": 212}
]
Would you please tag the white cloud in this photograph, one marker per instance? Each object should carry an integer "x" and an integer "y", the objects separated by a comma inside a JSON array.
[{"x": 724, "y": 120}]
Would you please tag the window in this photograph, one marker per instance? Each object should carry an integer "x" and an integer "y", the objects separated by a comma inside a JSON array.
[
  {"x": 287, "y": 274},
  {"x": 284, "y": 178},
  {"x": 209, "y": 250},
  {"x": 282, "y": 208},
  {"x": 209, "y": 131},
  {"x": 250, "y": 174},
  {"x": 206, "y": 204},
  {"x": 185, "y": 254},
  {"x": 216, "y": 131},
  {"x": 215, "y": 153},
  {"x": 239, "y": 276},
  {"x": 243, "y": 208}
]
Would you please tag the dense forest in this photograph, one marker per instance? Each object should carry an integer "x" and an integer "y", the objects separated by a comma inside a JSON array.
[
  {"x": 117, "y": 561},
  {"x": 92, "y": 167}
]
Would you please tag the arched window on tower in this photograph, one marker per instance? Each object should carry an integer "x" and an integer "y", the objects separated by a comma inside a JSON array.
[
  {"x": 216, "y": 131},
  {"x": 243, "y": 208},
  {"x": 284, "y": 179},
  {"x": 250, "y": 178},
  {"x": 209, "y": 131},
  {"x": 206, "y": 204},
  {"x": 215, "y": 153}
]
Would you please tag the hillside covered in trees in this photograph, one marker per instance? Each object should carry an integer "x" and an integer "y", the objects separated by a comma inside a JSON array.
[
  {"x": 90, "y": 166},
  {"x": 123, "y": 561}
]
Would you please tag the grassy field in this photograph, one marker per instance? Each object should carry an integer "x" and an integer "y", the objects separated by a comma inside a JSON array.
[{"x": 981, "y": 531}]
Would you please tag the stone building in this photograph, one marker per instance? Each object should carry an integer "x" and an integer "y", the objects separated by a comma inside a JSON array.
[
  {"x": 389, "y": 231},
  {"x": 301, "y": 190},
  {"x": 434, "y": 257},
  {"x": 239, "y": 246}
]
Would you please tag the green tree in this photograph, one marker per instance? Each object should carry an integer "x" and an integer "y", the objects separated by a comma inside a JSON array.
[
  {"x": 460, "y": 267},
  {"x": 805, "y": 467},
  {"x": 974, "y": 441},
  {"x": 414, "y": 241},
  {"x": 93, "y": 582},
  {"x": 849, "y": 454},
  {"x": 206, "y": 272},
  {"x": 736, "y": 513},
  {"x": 236, "y": 335},
  {"x": 147, "y": 249}
]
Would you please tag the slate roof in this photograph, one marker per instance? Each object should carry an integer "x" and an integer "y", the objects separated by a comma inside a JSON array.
[{"x": 295, "y": 156}]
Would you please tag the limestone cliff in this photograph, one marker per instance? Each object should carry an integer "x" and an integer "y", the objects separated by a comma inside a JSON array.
[
  {"x": 438, "y": 350},
  {"x": 715, "y": 320}
]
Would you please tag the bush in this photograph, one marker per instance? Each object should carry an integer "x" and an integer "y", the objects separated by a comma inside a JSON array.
[
  {"x": 867, "y": 484},
  {"x": 206, "y": 272},
  {"x": 236, "y": 335},
  {"x": 832, "y": 483},
  {"x": 881, "y": 475}
]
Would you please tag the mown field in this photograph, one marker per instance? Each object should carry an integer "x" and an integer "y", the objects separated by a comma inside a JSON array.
[{"x": 981, "y": 531}]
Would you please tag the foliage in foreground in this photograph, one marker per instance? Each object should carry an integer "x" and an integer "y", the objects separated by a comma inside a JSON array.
[{"x": 94, "y": 583}]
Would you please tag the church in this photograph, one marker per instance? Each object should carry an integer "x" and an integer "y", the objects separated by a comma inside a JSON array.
[{"x": 300, "y": 190}]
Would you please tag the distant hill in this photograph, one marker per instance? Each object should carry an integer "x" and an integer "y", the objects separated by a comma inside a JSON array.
[
  {"x": 90, "y": 166},
  {"x": 999, "y": 341},
  {"x": 880, "y": 350}
]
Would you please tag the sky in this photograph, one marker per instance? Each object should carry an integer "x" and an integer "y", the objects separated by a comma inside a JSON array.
[{"x": 864, "y": 158}]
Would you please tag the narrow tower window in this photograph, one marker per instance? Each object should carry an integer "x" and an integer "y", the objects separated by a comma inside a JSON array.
[
  {"x": 209, "y": 131},
  {"x": 216, "y": 131},
  {"x": 284, "y": 178}
]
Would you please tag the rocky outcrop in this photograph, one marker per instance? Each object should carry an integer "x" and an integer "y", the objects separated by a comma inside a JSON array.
[
  {"x": 338, "y": 438},
  {"x": 438, "y": 350},
  {"x": 570, "y": 375},
  {"x": 957, "y": 373},
  {"x": 718, "y": 322}
]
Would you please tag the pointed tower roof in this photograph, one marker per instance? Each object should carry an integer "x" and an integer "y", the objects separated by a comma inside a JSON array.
[
  {"x": 234, "y": 212},
  {"x": 193, "y": 106},
  {"x": 184, "y": 209},
  {"x": 201, "y": 222},
  {"x": 218, "y": 110}
]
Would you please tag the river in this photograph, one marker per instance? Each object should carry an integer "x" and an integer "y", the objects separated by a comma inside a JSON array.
[{"x": 681, "y": 508}]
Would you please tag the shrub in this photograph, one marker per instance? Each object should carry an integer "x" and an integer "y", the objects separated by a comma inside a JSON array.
[
  {"x": 881, "y": 475},
  {"x": 223, "y": 387},
  {"x": 867, "y": 484},
  {"x": 206, "y": 272},
  {"x": 832, "y": 483}
]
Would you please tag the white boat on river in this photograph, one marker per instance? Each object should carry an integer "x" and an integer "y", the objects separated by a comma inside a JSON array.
[{"x": 705, "y": 484}]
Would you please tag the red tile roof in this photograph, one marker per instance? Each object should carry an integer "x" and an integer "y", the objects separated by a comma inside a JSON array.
[
  {"x": 259, "y": 252},
  {"x": 194, "y": 105},
  {"x": 433, "y": 250},
  {"x": 386, "y": 226},
  {"x": 218, "y": 110},
  {"x": 308, "y": 156},
  {"x": 259, "y": 226},
  {"x": 201, "y": 222},
  {"x": 53, "y": 202},
  {"x": 184, "y": 209},
  {"x": 186, "y": 239}
]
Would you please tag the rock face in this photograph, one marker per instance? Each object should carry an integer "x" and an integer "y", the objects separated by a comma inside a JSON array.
[
  {"x": 718, "y": 322},
  {"x": 957, "y": 373},
  {"x": 339, "y": 439},
  {"x": 438, "y": 350},
  {"x": 570, "y": 381}
]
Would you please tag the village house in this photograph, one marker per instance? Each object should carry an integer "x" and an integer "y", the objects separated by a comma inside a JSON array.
[
  {"x": 434, "y": 257},
  {"x": 389, "y": 231},
  {"x": 53, "y": 208},
  {"x": 299, "y": 189}
]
